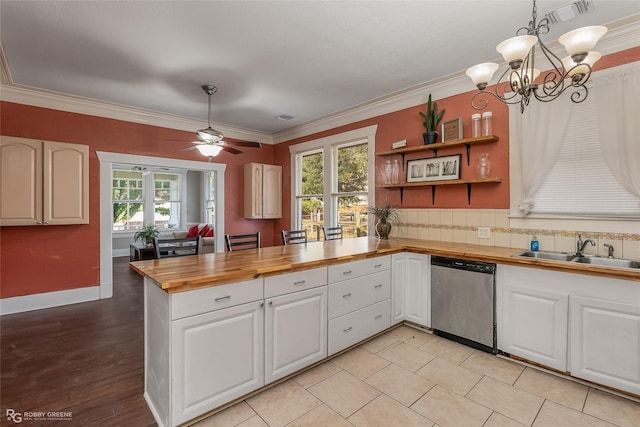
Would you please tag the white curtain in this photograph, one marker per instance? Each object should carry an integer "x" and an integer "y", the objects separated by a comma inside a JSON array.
[
  {"x": 617, "y": 98},
  {"x": 543, "y": 127}
]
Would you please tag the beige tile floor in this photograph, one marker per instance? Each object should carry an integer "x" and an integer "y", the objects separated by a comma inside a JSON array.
[{"x": 407, "y": 377}]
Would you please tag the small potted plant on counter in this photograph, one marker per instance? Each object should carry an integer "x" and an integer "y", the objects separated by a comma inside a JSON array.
[
  {"x": 387, "y": 216},
  {"x": 431, "y": 121},
  {"x": 147, "y": 234}
]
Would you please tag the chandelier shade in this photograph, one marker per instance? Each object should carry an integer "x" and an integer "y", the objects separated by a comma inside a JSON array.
[
  {"x": 522, "y": 80},
  {"x": 209, "y": 150}
]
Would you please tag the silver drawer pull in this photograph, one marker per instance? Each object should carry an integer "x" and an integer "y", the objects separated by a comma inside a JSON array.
[
  {"x": 377, "y": 266},
  {"x": 301, "y": 282},
  {"x": 346, "y": 295},
  {"x": 378, "y": 316},
  {"x": 223, "y": 298},
  {"x": 344, "y": 273},
  {"x": 270, "y": 302},
  {"x": 378, "y": 286},
  {"x": 347, "y": 329}
]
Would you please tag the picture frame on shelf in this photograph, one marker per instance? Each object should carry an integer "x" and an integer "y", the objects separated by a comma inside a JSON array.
[
  {"x": 443, "y": 168},
  {"x": 452, "y": 130}
]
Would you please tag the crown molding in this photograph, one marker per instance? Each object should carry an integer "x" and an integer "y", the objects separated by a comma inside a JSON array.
[
  {"x": 75, "y": 104},
  {"x": 622, "y": 35}
]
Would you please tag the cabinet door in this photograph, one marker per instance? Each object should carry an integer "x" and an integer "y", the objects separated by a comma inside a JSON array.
[
  {"x": 217, "y": 357},
  {"x": 605, "y": 343},
  {"x": 418, "y": 289},
  {"x": 295, "y": 332},
  {"x": 20, "y": 181},
  {"x": 253, "y": 190},
  {"x": 271, "y": 191},
  {"x": 398, "y": 280},
  {"x": 534, "y": 325},
  {"x": 65, "y": 183}
]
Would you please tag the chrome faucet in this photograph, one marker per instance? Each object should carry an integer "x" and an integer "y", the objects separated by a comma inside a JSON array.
[
  {"x": 580, "y": 245},
  {"x": 610, "y": 248}
]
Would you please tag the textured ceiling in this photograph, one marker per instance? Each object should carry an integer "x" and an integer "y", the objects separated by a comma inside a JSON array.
[{"x": 307, "y": 59}]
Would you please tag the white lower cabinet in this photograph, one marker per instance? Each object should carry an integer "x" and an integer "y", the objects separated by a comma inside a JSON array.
[
  {"x": 535, "y": 325},
  {"x": 605, "y": 342},
  {"x": 398, "y": 280},
  {"x": 295, "y": 332},
  {"x": 344, "y": 331},
  {"x": 217, "y": 357},
  {"x": 417, "y": 306}
]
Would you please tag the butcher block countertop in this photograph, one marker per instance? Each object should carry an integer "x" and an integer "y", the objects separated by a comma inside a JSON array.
[{"x": 194, "y": 272}]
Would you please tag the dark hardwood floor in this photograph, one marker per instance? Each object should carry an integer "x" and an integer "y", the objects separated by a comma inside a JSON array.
[{"x": 85, "y": 358}]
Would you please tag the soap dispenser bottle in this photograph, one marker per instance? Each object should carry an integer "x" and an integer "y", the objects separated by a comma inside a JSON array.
[{"x": 534, "y": 244}]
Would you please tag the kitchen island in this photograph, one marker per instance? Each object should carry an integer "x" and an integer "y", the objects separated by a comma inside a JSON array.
[{"x": 220, "y": 326}]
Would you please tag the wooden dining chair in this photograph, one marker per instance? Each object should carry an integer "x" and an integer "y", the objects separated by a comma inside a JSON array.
[
  {"x": 294, "y": 237},
  {"x": 242, "y": 241},
  {"x": 168, "y": 248},
  {"x": 332, "y": 233}
]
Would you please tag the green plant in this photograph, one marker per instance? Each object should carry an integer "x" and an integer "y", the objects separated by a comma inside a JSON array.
[
  {"x": 433, "y": 116},
  {"x": 385, "y": 213},
  {"x": 147, "y": 234}
]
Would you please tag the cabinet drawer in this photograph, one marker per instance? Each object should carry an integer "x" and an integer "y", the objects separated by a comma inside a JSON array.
[
  {"x": 353, "y": 294},
  {"x": 184, "y": 304},
  {"x": 293, "y": 282},
  {"x": 354, "y": 269},
  {"x": 354, "y": 327}
]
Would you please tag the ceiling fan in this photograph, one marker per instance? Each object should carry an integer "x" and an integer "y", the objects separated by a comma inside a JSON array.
[{"x": 210, "y": 141}]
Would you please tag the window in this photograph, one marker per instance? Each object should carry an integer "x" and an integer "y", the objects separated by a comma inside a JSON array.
[
  {"x": 331, "y": 183},
  {"x": 166, "y": 199},
  {"x": 351, "y": 195},
  {"x": 141, "y": 198},
  {"x": 210, "y": 197},
  {"x": 128, "y": 200}
]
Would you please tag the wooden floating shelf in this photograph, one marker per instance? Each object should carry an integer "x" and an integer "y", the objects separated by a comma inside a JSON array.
[
  {"x": 439, "y": 145},
  {"x": 434, "y": 184}
]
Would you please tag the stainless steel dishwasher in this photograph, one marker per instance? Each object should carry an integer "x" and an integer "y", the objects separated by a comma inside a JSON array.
[{"x": 463, "y": 302}]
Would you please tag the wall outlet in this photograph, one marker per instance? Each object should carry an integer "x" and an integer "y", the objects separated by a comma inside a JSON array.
[{"x": 484, "y": 232}]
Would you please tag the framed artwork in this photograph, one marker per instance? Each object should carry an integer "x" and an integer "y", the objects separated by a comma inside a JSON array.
[
  {"x": 434, "y": 169},
  {"x": 452, "y": 130}
]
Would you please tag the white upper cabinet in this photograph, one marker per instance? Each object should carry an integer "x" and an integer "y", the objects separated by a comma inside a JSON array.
[
  {"x": 43, "y": 182},
  {"x": 262, "y": 191}
]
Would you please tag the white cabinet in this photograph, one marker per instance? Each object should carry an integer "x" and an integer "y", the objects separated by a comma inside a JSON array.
[
  {"x": 217, "y": 357},
  {"x": 359, "y": 301},
  {"x": 43, "y": 182},
  {"x": 417, "y": 308},
  {"x": 262, "y": 191},
  {"x": 295, "y": 321},
  {"x": 532, "y": 315},
  {"x": 398, "y": 280},
  {"x": 203, "y": 348},
  {"x": 605, "y": 342}
]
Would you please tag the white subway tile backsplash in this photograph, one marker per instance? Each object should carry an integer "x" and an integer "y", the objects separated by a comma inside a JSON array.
[
  {"x": 473, "y": 217},
  {"x": 459, "y": 217}
]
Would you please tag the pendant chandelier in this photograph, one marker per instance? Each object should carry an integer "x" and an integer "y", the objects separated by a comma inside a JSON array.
[{"x": 518, "y": 84}]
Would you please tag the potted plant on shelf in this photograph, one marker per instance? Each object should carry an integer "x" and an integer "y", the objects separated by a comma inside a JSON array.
[
  {"x": 147, "y": 234},
  {"x": 431, "y": 121},
  {"x": 387, "y": 216}
]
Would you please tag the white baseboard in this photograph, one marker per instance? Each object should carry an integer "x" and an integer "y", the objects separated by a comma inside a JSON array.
[
  {"x": 120, "y": 252},
  {"x": 48, "y": 299}
]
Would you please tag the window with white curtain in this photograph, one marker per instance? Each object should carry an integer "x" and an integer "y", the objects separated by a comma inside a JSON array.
[{"x": 580, "y": 182}]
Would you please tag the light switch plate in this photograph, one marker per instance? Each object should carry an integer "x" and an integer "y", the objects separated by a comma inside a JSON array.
[{"x": 484, "y": 232}]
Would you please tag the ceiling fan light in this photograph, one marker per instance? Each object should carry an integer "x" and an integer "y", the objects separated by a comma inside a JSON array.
[
  {"x": 481, "y": 74},
  {"x": 582, "y": 39},
  {"x": 569, "y": 64},
  {"x": 209, "y": 150},
  {"x": 209, "y": 135},
  {"x": 516, "y": 49}
]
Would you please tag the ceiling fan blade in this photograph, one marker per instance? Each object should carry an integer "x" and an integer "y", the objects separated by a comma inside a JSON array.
[
  {"x": 173, "y": 140},
  {"x": 231, "y": 150},
  {"x": 193, "y": 147},
  {"x": 241, "y": 143}
]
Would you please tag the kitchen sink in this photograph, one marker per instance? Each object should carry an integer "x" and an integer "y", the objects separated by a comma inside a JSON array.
[
  {"x": 554, "y": 256},
  {"x": 608, "y": 262}
]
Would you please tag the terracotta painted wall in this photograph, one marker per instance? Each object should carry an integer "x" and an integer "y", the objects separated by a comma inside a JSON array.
[{"x": 44, "y": 259}]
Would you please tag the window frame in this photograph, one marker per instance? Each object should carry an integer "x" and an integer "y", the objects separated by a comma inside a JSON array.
[{"x": 328, "y": 146}]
